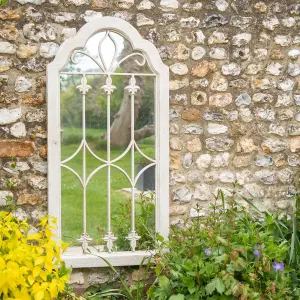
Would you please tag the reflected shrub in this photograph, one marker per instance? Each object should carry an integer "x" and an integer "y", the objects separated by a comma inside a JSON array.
[
  {"x": 145, "y": 223},
  {"x": 74, "y": 136}
]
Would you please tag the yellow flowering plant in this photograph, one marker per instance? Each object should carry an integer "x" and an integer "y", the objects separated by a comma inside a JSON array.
[{"x": 31, "y": 267}]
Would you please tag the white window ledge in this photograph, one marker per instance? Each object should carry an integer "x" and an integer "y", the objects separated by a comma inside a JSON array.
[{"x": 75, "y": 258}]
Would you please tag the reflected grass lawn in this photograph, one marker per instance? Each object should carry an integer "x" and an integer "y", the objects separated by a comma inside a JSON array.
[{"x": 72, "y": 192}]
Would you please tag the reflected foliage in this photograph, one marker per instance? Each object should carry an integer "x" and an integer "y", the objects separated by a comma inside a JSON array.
[
  {"x": 145, "y": 223},
  {"x": 96, "y": 117}
]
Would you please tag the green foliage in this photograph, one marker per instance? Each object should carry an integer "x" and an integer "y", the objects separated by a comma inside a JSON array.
[
  {"x": 3, "y": 2},
  {"x": 286, "y": 228},
  {"x": 96, "y": 102},
  {"x": 126, "y": 291},
  {"x": 146, "y": 115},
  {"x": 104, "y": 292},
  {"x": 10, "y": 184},
  {"x": 74, "y": 136},
  {"x": 232, "y": 253},
  {"x": 150, "y": 152},
  {"x": 145, "y": 223}
]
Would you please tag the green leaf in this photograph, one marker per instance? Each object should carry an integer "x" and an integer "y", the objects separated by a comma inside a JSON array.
[
  {"x": 188, "y": 264},
  {"x": 160, "y": 238},
  {"x": 220, "y": 285},
  {"x": 239, "y": 264},
  {"x": 215, "y": 284},
  {"x": 177, "y": 297},
  {"x": 294, "y": 233},
  {"x": 220, "y": 259},
  {"x": 210, "y": 287},
  {"x": 189, "y": 282},
  {"x": 222, "y": 241},
  {"x": 163, "y": 281}
]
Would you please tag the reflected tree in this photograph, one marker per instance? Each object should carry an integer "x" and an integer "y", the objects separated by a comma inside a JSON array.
[
  {"x": 96, "y": 106},
  {"x": 120, "y": 128}
]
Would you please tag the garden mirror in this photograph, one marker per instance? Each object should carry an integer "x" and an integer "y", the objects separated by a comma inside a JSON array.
[{"x": 110, "y": 145}]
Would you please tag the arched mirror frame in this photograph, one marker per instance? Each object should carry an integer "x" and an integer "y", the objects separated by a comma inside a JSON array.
[{"x": 73, "y": 257}]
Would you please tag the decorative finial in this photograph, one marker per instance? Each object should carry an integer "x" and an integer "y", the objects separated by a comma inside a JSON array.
[
  {"x": 83, "y": 87},
  {"x": 108, "y": 87},
  {"x": 132, "y": 87},
  {"x": 84, "y": 239},
  {"x": 133, "y": 237},
  {"x": 109, "y": 238}
]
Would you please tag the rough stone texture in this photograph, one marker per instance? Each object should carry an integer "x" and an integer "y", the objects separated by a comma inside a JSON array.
[
  {"x": 220, "y": 100},
  {"x": 26, "y": 50},
  {"x": 16, "y": 148},
  {"x": 294, "y": 144},
  {"x": 18, "y": 130},
  {"x": 234, "y": 94},
  {"x": 37, "y": 32},
  {"x": 191, "y": 114},
  {"x": 32, "y": 199},
  {"x": 7, "y": 48},
  {"x": 22, "y": 84},
  {"x": 198, "y": 98},
  {"x": 48, "y": 50},
  {"x": 37, "y": 182},
  {"x": 16, "y": 167},
  {"x": 8, "y": 116},
  {"x": 203, "y": 68},
  {"x": 3, "y": 197}
]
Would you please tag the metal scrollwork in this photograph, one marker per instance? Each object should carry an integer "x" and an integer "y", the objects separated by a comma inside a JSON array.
[{"x": 114, "y": 64}]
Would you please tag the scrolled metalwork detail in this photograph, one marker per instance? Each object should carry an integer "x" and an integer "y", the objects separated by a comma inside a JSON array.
[
  {"x": 142, "y": 63},
  {"x": 76, "y": 61},
  {"x": 102, "y": 64}
]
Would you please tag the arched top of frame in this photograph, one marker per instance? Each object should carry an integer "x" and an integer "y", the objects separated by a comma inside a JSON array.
[
  {"x": 100, "y": 32},
  {"x": 107, "y": 52}
]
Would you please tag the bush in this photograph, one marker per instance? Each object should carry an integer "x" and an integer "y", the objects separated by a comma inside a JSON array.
[
  {"x": 145, "y": 223},
  {"x": 3, "y": 2},
  {"x": 232, "y": 253},
  {"x": 30, "y": 263}
]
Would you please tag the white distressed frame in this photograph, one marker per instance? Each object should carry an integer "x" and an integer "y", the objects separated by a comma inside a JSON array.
[{"x": 74, "y": 256}]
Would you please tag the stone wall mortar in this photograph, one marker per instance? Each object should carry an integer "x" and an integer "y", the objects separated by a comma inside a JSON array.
[{"x": 234, "y": 93}]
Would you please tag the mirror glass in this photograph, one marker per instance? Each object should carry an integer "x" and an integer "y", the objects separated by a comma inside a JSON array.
[
  {"x": 106, "y": 51},
  {"x": 106, "y": 165}
]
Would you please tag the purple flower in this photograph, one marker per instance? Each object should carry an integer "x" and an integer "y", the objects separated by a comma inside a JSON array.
[
  {"x": 257, "y": 246},
  {"x": 207, "y": 251},
  {"x": 278, "y": 266},
  {"x": 257, "y": 253}
]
